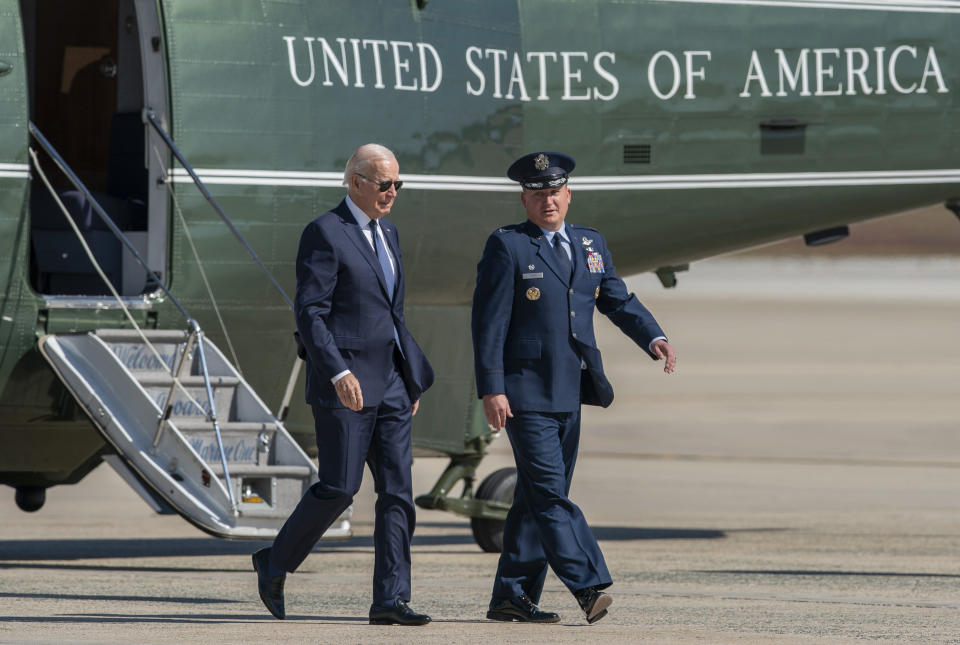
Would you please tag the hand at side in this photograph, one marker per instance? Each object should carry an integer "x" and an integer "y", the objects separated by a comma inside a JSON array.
[
  {"x": 496, "y": 408},
  {"x": 348, "y": 390}
]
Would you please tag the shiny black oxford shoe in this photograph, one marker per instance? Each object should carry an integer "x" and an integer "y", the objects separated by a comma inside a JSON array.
[
  {"x": 399, "y": 613},
  {"x": 594, "y": 603},
  {"x": 521, "y": 609},
  {"x": 270, "y": 588}
]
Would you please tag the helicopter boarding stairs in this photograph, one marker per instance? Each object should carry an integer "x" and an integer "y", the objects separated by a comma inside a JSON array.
[{"x": 239, "y": 477}]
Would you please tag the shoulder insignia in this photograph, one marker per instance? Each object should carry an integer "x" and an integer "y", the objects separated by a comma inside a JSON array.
[{"x": 507, "y": 229}]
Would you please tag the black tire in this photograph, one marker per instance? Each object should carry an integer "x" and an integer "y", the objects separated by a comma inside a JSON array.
[
  {"x": 30, "y": 498},
  {"x": 497, "y": 487}
]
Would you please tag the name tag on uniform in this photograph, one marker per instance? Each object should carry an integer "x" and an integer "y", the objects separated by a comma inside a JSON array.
[
  {"x": 532, "y": 276},
  {"x": 595, "y": 262}
]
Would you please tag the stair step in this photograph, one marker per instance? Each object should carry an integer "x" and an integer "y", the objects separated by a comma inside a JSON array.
[
  {"x": 158, "y": 379},
  {"x": 262, "y": 511},
  {"x": 132, "y": 336},
  {"x": 200, "y": 425},
  {"x": 246, "y": 470}
]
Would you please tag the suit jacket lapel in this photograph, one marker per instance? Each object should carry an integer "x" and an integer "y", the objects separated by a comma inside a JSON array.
[{"x": 355, "y": 235}]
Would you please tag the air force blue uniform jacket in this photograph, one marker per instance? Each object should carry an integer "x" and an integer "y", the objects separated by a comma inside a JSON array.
[
  {"x": 346, "y": 318},
  {"x": 533, "y": 325}
]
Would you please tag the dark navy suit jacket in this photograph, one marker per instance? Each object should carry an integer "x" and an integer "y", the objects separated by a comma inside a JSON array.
[
  {"x": 345, "y": 318},
  {"x": 532, "y": 325}
]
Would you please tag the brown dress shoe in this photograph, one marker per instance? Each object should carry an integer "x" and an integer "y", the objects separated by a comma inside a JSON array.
[{"x": 593, "y": 602}]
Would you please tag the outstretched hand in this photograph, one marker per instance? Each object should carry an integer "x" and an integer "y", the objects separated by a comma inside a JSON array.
[{"x": 663, "y": 349}]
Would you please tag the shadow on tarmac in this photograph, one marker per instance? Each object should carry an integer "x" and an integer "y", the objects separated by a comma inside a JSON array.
[
  {"x": 15, "y": 553},
  {"x": 62, "y": 596},
  {"x": 827, "y": 573},
  {"x": 638, "y": 533},
  {"x": 201, "y": 619}
]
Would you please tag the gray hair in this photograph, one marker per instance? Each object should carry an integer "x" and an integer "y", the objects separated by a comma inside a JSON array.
[{"x": 361, "y": 162}]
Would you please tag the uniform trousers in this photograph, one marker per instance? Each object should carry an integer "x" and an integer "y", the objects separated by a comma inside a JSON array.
[
  {"x": 543, "y": 526},
  {"x": 380, "y": 437}
]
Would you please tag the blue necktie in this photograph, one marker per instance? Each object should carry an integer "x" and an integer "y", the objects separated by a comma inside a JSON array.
[
  {"x": 388, "y": 273},
  {"x": 562, "y": 254},
  {"x": 381, "y": 252}
]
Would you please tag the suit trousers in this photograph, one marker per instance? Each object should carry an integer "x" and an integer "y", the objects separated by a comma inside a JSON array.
[
  {"x": 380, "y": 437},
  {"x": 543, "y": 526}
]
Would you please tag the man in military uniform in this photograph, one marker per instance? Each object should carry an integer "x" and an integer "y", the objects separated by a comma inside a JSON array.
[{"x": 536, "y": 361}]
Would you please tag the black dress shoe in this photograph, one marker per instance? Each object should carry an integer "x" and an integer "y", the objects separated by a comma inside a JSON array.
[
  {"x": 399, "y": 613},
  {"x": 521, "y": 609},
  {"x": 593, "y": 602},
  {"x": 271, "y": 589}
]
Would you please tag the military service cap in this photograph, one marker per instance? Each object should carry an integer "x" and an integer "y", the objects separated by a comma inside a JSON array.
[{"x": 539, "y": 170}]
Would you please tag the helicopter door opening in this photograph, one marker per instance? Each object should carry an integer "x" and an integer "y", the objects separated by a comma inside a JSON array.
[{"x": 93, "y": 65}]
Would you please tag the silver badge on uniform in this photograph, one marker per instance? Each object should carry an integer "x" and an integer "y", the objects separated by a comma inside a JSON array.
[
  {"x": 532, "y": 276},
  {"x": 586, "y": 241}
]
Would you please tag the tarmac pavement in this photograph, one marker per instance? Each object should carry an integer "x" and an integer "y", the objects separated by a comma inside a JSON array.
[{"x": 796, "y": 481}]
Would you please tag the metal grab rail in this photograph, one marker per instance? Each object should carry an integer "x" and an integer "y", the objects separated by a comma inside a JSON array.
[{"x": 193, "y": 324}]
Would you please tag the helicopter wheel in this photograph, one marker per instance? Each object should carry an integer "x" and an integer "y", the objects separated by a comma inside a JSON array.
[
  {"x": 497, "y": 487},
  {"x": 30, "y": 498}
]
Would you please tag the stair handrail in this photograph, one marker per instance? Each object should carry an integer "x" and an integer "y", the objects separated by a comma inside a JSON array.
[
  {"x": 175, "y": 372},
  {"x": 191, "y": 322},
  {"x": 212, "y": 412}
]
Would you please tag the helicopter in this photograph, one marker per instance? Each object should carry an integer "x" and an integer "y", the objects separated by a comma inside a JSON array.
[{"x": 159, "y": 159}]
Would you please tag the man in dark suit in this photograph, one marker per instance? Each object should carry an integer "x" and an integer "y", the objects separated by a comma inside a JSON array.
[
  {"x": 536, "y": 360},
  {"x": 365, "y": 375}
]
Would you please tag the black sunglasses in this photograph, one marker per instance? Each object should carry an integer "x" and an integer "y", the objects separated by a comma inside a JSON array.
[{"x": 384, "y": 185}]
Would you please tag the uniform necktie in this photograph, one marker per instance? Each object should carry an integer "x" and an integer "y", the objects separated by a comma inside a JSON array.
[
  {"x": 565, "y": 263},
  {"x": 385, "y": 265}
]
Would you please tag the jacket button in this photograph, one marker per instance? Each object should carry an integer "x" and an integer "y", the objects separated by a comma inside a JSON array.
[
  {"x": 574, "y": 334},
  {"x": 573, "y": 314},
  {"x": 570, "y": 292}
]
